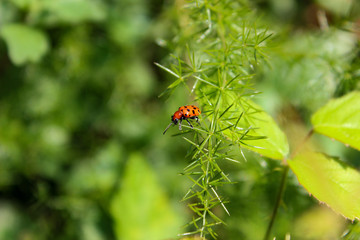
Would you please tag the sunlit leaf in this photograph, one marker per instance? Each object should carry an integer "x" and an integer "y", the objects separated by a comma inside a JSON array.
[
  {"x": 140, "y": 208},
  {"x": 275, "y": 144},
  {"x": 25, "y": 44},
  {"x": 340, "y": 119},
  {"x": 260, "y": 132},
  {"x": 330, "y": 181}
]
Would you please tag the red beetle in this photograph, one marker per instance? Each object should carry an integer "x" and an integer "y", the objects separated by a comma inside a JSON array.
[{"x": 184, "y": 112}]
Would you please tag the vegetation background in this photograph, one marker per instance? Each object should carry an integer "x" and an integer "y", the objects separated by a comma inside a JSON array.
[{"x": 82, "y": 155}]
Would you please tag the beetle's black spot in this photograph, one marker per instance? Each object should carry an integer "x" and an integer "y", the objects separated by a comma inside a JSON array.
[
  {"x": 188, "y": 110},
  {"x": 193, "y": 111}
]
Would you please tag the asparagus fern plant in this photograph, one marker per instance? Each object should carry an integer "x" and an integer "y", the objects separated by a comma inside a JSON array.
[{"x": 218, "y": 47}]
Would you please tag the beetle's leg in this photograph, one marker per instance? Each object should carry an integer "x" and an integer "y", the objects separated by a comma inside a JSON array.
[
  {"x": 189, "y": 123},
  {"x": 180, "y": 125},
  {"x": 197, "y": 120}
]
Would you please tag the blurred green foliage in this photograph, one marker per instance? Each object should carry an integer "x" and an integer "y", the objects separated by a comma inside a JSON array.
[
  {"x": 81, "y": 146},
  {"x": 78, "y": 96},
  {"x": 142, "y": 212}
]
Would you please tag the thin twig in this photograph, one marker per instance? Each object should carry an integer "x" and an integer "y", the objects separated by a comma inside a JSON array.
[
  {"x": 278, "y": 200},
  {"x": 283, "y": 184}
]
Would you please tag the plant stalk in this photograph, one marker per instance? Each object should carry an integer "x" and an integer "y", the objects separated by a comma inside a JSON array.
[
  {"x": 283, "y": 184},
  {"x": 278, "y": 201}
]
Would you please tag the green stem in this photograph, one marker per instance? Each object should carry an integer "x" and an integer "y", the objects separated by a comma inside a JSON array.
[
  {"x": 278, "y": 201},
  {"x": 283, "y": 184},
  {"x": 302, "y": 144}
]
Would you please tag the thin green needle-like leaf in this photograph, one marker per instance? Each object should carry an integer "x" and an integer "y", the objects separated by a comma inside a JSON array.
[
  {"x": 194, "y": 86},
  {"x": 221, "y": 202},
  {"x": 265, "y": 38},
  {"x": 194, "y": 221},
  {"x": 251, "y": 137},
  {"x": 232, "y": 160},
  {"x": 187, "y": 196},
  {"x": 243, "y": 155},
  {"x": 244, "y": 134},
  {"x": 196, "y": 182},
  {"x": 192, "y": 143},
  {"x": 248, "y": 146},
  {"x": 167, "y": 69},
  {"x": 207, "y": 82},
  {"x": 202, "y": 145},
  {"x": 216, "y": 219},
  {"x": 175, "y": 83},
  {"x": 223, "y": 129},
  {"x": 216, "y": 147},
  {"x": 189, "y": 233},
  {"x": 199, "y": 147},
  {"x": 233, "y": 79},
  {"x": 172, "y": 86},
  {"x": 238, "y": 120},
  {"x": 193, "y": 164},
  {"x": 227, "y": 109}
]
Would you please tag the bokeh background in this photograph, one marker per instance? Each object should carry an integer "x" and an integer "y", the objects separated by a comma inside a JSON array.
[{"x": 82, "y": 155}]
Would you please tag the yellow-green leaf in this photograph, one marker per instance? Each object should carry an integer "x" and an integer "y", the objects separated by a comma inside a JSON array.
[
  {"x": 26, "y": 44},
  {"x": 330, "y": 181},
  {"x": 340, "y": 119},
  {"x": 140, "y": 208},
  {"x": 262, "y": 133}
]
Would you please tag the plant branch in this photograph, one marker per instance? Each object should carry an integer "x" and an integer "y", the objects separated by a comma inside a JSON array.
[
  {"x": 283, "y": 184},
  {"x": 278, "y": 200}
]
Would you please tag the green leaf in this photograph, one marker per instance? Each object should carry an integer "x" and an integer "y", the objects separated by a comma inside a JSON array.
[
  {"x": 25, "y": 44},
  {"x": 262, "y": 135},
  {"x": 140, "y": 208},
  {"x": 75, "y": 11},
  {"x": 330, "y": 181},
  {"x": 340, "y": 119}
]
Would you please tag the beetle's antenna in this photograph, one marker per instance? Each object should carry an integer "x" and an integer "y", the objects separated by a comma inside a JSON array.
[{"x": 167, "y": 128}]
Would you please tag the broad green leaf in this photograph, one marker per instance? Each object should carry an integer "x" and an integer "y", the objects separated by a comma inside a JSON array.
[
  {"x": 330, "y": 181},
  {"x": 74, "y": 11},
  {"x": 140, "y": 208},
  {"x": 263, "y": 134},
  {"x": 340, "y": 119},
  {"x": 25, "y": 44}
]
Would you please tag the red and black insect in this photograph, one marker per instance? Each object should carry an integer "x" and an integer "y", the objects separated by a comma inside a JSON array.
[{"x": 184, "y": 112}]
